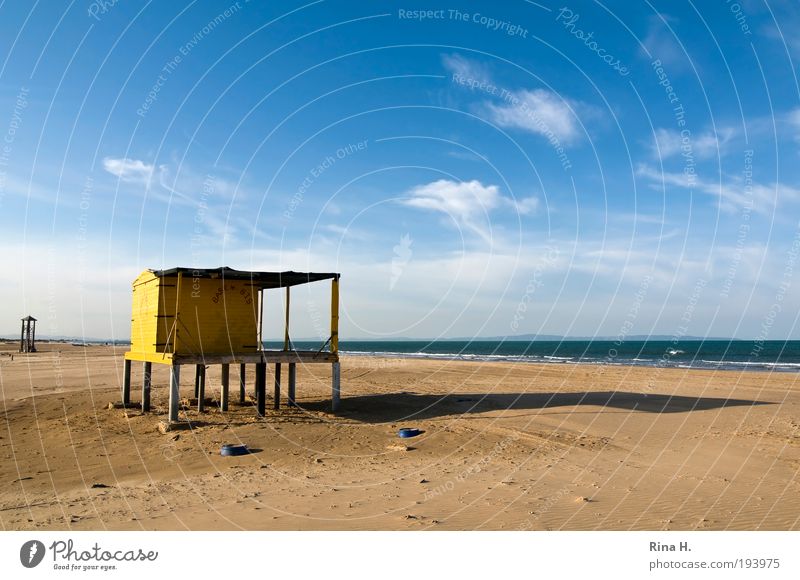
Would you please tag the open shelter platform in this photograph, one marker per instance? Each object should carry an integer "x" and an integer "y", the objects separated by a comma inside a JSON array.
[{"x": 201, "y": 317}]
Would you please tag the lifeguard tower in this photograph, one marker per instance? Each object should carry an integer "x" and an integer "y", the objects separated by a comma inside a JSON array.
[
  {"x": 27, "y": 341},
  {"x": 189, "y": 316}
]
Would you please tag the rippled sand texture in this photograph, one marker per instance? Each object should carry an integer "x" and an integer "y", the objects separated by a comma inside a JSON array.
[{"x": 505, "y": 446}]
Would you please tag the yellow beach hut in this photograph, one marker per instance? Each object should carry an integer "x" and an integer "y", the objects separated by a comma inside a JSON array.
[{"x": 200, "y": 317}]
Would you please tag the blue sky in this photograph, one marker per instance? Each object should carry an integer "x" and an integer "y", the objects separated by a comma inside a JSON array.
[{"x": 490, "y": 169}]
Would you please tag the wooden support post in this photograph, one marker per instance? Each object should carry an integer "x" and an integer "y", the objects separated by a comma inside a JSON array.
[
  {"x": 242, "y": 382},
  {"x": 276, "y": 404},
  {"x": 335, "y": 316},
  {"x": 286, "y": 325},
  {"x": 292, "y": 380},
  {"x": 335, "y": 386},
  {"x": 261, "y": 389},
  {"x": 201, "y": 388},
  {"x": 146, "y": 380},
  {"x": 126, "y": 384},
  {"x": 197, "y": 381},
  {"x": 225, "y": 386},
  {"x": 261, "y": 319},
  {"x": 174, "y": 392}
]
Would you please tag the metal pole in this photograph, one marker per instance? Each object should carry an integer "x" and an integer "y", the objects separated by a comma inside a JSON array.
[
  {"x": 174, "y": 392},
  {"x": 146, "y": 380},
  {"x": 126, "y": 384},
  {"x": 225, "y": 386}
]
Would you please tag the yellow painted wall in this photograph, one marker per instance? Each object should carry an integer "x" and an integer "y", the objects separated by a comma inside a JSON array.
[
  {"x": 144, "y": 313},
  {"x": 212, "y": 318}
]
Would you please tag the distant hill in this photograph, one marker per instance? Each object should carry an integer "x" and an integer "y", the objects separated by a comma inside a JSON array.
[{"x": 521, "y": 338}]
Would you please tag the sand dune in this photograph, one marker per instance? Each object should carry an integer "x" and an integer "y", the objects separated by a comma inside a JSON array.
[{"x": 505, "y": 447}]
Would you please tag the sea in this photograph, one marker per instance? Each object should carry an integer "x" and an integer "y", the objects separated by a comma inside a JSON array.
[{"x": 772, "y": 355}]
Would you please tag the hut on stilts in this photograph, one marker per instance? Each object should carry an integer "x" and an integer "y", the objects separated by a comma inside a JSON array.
[{"x": 200, "y": 317}]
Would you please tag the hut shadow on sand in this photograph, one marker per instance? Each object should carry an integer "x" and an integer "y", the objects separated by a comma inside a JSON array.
[{"x": 388, "y": 407}]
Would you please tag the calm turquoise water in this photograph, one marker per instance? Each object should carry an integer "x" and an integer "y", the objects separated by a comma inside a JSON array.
[{"x": 713, "y": 354}]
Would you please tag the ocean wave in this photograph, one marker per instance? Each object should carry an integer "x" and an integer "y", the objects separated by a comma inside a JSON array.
[{"x": 586, "y": 360}]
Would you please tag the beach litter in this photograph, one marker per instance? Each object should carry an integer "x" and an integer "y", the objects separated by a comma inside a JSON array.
[
  {"x": 408, "y": 432},
  {"x": 399, "y": 447},
  {"x": 229, "y": 450}
]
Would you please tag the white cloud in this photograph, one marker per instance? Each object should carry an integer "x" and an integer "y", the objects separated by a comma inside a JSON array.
[
  {"x": 527, "y": 205},
  {"x": 26, "y": 188},
  {"x": 466, "y": 202},
  {"x": 794, "y": 121},
  {"x": 346, "y": 232},
  {"x": 662, "y": 44},
  {"x": 465, "y": 68},
  {"x": 538, "y": 111},
  {"x": 669, "y": 143},
  {"x": 129, "y": 170},
  {"x": 733, "y": 195}
]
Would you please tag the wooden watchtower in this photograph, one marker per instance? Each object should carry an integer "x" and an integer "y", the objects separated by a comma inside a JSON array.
[
  {"x": 27, "y": 339},
  {"x": 189, "y": 316}
]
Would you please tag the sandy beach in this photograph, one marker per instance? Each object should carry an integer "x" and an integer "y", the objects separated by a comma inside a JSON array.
[{"x": 505, "y": 447}]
